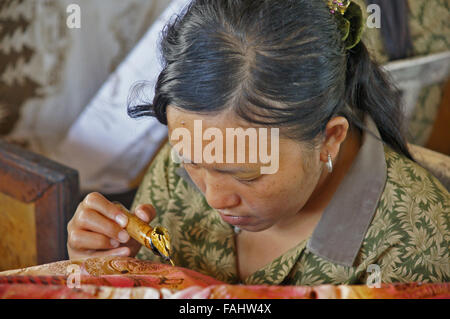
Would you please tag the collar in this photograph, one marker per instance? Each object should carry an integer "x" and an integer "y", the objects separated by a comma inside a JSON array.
[
  {"x": 344, "y": 223},
  {"x": 354, "y": 202}
]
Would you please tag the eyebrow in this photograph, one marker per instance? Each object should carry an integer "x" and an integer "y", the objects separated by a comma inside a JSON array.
[
  {"x": 220, "y": 170},
  {"x": 231, "y": 170}
]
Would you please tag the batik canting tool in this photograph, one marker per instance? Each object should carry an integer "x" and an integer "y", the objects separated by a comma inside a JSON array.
[{"x": 157, "y": 239}]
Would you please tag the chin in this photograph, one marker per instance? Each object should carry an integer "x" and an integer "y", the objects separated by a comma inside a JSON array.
[{"x": 256, "y": 228}]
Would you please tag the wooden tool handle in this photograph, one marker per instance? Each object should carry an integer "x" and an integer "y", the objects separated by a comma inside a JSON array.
[
  {"x": 156, "y": 239},
  {"x": 137, "y": 229}
]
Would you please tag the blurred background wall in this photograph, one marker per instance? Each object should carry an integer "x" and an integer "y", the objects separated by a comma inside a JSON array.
[{"x": 49, "y": 73}]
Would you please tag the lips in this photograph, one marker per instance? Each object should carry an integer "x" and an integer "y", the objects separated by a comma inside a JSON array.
[{"x": 236, "y": 220}]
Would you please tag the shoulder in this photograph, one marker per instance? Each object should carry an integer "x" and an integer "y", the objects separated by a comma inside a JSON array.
[
  {"x": 159, "y": 181},
  {"x": 411, "y": 194},
  {"x": 411, "y": 183},
  {"x": 409, "y": 234}
]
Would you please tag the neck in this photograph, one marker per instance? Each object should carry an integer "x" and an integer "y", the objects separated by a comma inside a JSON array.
[{"x": 329, "y": 182}]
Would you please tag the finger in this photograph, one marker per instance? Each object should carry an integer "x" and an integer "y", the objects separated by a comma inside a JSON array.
[
  {"x": 121, "y": 251},
  {"x": 86, "y": 240},
  {"x": 110, "y": 210},
  {"x": 145, "y": 212},
  {"x": 79, "y": 254},
  {"x": 91, "y": 220}
]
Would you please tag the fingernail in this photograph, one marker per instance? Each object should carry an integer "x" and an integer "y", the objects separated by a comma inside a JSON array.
[
  {"x": 114, "y": 243},
  {"x": 122, "y": 220},
  {"x": 142, "y": 215},
  {"x": 123, "y": 236}
]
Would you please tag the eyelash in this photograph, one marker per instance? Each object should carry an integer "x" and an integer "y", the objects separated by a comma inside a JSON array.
[
  {"x": 243, "y": 181},
  {"x": 248, "y": 181}
]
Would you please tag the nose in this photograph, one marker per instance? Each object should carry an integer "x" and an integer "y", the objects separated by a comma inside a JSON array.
[
  {"x": 219, "y": 196},
  {"x": 219, "y": 200}
]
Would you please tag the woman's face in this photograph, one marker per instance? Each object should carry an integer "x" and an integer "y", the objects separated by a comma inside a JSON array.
[{"x": 242, "y": 195}]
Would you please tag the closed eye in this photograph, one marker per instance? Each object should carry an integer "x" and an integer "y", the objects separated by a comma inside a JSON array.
[{"x": 247, "y": 180}]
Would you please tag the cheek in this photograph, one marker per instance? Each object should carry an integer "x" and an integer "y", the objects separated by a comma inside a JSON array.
[
  {"x": 273, "y": 196},
  {"x": 196, "y": 176},
  {"x": 281, "y": 195}
]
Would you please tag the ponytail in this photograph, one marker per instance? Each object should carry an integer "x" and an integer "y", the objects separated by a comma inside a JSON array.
[{"x": 369, "y": 90}]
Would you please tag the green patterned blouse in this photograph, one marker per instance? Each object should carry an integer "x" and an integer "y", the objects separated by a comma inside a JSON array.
[{"x": 389, "y": 218}]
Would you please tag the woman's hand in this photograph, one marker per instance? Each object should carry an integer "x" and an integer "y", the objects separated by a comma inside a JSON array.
[{"x": 98, "y": 229}]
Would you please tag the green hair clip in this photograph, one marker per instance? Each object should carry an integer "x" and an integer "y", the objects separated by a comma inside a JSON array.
[{"x": 350, "y": 20}]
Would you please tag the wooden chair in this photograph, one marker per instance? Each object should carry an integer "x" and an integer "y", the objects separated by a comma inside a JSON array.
[
  {"x": 37, "y": 199},
  {"x": 439, "y": 139}
]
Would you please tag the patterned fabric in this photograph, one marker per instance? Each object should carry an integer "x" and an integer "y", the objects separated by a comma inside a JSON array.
[
  {"x": 123, "y": 277},
  {"x": 408, "y": 237},
  {"x": 430, "y": 33}
]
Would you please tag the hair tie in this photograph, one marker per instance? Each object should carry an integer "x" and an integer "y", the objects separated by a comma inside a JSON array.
[{"x": 350, "y": 21}]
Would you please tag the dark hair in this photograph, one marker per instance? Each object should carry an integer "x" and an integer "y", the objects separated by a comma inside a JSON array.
[
  {"x": 275, "y": 63},
  {"x": 394, "y": 30}
]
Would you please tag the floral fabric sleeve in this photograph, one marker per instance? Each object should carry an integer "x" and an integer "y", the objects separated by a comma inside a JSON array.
[{"x": 415, "y": 227}]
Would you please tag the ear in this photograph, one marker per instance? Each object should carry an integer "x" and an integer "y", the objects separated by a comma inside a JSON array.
[{"x": 335, "y": 134}]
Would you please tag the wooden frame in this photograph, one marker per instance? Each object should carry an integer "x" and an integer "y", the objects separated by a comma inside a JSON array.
[
  {"x": 411, "y": 75},
  {"x": 50, "y": 190}
]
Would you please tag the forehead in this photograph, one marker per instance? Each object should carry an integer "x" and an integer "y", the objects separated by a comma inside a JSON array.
[
  {"x": 288, "y": 150},
  {"x": 177, "y": 118}
]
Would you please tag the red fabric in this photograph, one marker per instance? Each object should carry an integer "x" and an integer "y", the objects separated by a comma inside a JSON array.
[{"x": 121, "y": 277}]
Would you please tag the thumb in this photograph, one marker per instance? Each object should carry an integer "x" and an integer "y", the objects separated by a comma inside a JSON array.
[{"x": 145, "y": 212}]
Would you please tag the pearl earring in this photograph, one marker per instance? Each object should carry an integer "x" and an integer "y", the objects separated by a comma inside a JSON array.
[{"x": 329, "y": 164}]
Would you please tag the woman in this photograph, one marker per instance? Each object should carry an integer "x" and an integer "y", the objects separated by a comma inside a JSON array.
[{"x": 346, "y": 197}]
